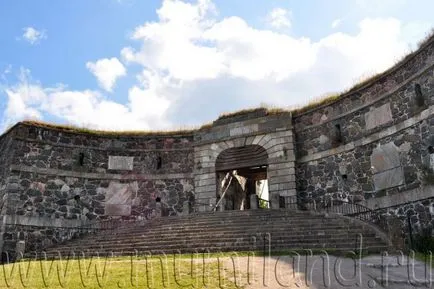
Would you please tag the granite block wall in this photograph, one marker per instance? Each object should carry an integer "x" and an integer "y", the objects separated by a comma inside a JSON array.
[
  {"x": 373, "y": 142},
  {"x": 56, "y": 175}
]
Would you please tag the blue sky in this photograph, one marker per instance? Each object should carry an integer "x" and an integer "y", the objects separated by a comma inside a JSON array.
[{"x": 135, "y": 64}]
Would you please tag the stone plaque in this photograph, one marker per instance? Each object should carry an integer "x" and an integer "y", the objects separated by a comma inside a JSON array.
[
  {"x": 385, "y": 157},
  {"x": 386, "y": 167},
  {"x": 118, "y": 193},
  {"x": 119, "y": 198},
  {"x": 388, "y": 179},
  {"x": 378, "y": 116},
  {"x": 246, "y": 129},
  {"x": 120, "y": 163}
]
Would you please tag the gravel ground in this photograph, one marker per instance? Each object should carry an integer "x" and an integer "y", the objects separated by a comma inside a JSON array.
[{"x": 369, "y": 272}]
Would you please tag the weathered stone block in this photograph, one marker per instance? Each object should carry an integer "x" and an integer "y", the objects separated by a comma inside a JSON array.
[
  {"x": 186, "y": 208},
  {"x": 385, "y": 157},
  {"x": 246, "y": 129},
  {"x": 203, "y": 189},
  {"x": 257, "y": 139},
  {"x": 287, "y": 193},
  {"x": 239, "y": 142},
  {"x": 282, "y": 179},
  {"x": 205, "y": 182},
  {"x": 280, "y": 172},
  {"x": 249, "y": 140},
  {"x": 378, "y": 116},
  {"x": 117, "y": 210},
  {"x": 253, "y": 202},
  {"x": 390, "y": 178},
  {"x": 119, "y": 197},
  {"x": 120, "y": 163},
  {"x": 278, "y": 166},
  {"x": 275, "y": 200}
]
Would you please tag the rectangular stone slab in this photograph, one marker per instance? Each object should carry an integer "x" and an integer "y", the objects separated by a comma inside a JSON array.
[
  {"x": 118, "y": 193},
  {"x": 388, "y": 179},
  {"x": 117, "y": 210},
  {"x": 378, "y": 116},
  {"x": 385, "y": 157},
  {"x": 120, "y": 163}
]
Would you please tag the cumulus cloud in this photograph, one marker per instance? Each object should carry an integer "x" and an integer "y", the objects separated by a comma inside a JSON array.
[
  {"x": 33, "y": 36},
  {"x": 279, "y": 18},
  {"x": 28, "y": 99},
  {"x": 246, "y": 66},
  {"x": 194, "y": 67},
  {"x": 107, "y": 71}
]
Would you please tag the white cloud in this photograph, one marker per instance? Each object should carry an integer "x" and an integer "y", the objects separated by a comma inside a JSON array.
[
  {"x": 107, "y": 71},
  {"x": 33, "y": 36},
  {"x": 246, "y": 66},
  {"x": 28, "y": 99},
  {"x": 197, "y": 48},
  {"x": 279, "y": 18},
  {"x": 336, "y": 22},
  {"x": 194, "y": 67}
]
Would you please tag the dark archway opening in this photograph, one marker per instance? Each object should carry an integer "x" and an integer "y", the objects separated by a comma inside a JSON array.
[{"x": 242, "y": 172}]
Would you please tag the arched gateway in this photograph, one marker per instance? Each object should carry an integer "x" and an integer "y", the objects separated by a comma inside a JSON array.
[
  {"x": 249, "y": 149},
  {"x": 240, "y": 173}
]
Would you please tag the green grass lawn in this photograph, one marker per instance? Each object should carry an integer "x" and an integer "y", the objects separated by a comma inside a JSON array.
[
  {"x": 137, "y": 272},
  {"x": 214, "y": 270}
]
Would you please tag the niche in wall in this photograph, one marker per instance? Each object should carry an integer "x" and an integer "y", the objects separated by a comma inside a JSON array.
[
  {"x": 159, "y": 162},
  {"x": 81, "y": 159},
  {"x": 336, "y": 135},
  {"x": 419, "y": 97}
]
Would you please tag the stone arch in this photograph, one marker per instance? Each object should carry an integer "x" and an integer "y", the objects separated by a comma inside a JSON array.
[
  {"x": 241, "y": 157},
  {"x": 276, "y": 149}
]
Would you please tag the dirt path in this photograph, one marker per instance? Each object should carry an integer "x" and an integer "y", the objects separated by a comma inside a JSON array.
[
  {"x": 260, "y": 272},
  {"x": 397, "y": 272}
]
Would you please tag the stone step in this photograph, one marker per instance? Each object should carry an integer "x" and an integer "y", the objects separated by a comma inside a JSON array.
[
  {"x": 259, "y": 237},
  {"x": 229, "y": 231},
  {"x": 276, "y": 234},
  {"x": 299, "y": 223},
  {"x": 241, "y": 215},
  {"x": 333, "y": 248},
  {"x": 274, "y": 238},
  {"x": 223, "y": 246},
  {"x": 309, "y": 224},
  {"x": 175, "y": 237},
  {"x": 235, "y": 227}
]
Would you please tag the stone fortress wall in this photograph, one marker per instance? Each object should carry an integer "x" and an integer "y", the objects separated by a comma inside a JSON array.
[
  {"x": 56, "y": 180},
  {"x": 373, "y": 145}
]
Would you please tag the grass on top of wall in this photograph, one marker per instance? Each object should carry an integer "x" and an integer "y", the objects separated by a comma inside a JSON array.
[
  {"x": 265, "y": 108},
  {"x": 76, "y": 129}
]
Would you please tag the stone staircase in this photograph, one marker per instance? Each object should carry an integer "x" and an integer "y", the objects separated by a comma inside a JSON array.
[{"x": 279, "y": 230}]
